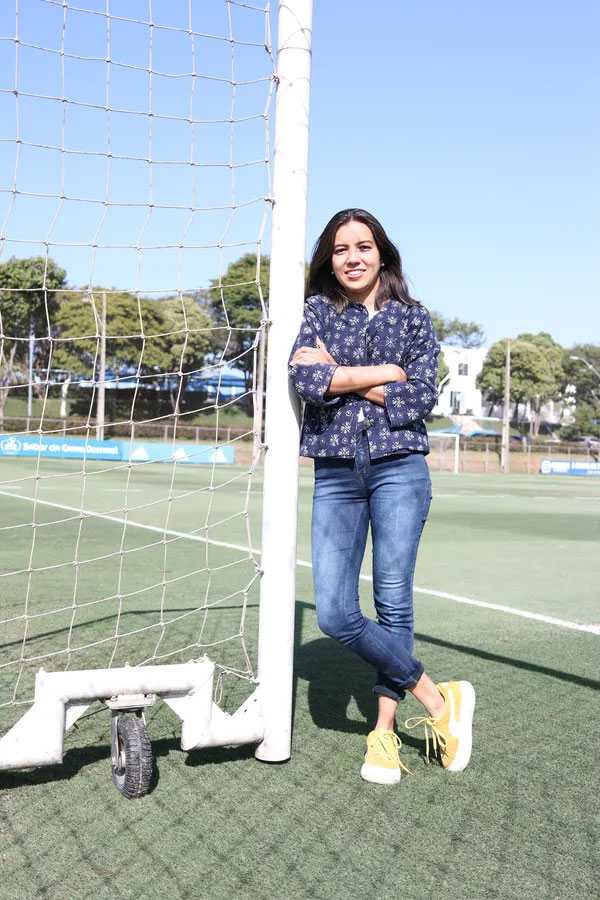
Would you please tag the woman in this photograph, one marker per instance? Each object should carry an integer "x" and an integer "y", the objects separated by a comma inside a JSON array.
[{"x": 365, "y": 364}]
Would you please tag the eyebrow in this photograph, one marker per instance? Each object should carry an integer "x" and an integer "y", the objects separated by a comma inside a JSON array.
[{"x": 341, "y": 244}]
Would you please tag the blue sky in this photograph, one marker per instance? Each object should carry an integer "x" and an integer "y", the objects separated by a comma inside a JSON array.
[
  {"x": 469, "y": 129},
  {"x": 190, "y": 202}
]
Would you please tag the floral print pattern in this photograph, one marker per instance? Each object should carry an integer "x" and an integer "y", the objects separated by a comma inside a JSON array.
[{"x": 398, "y": 334}]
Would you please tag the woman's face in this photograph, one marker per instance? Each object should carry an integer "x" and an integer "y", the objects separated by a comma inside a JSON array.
[{"x": 356, "y": 261}]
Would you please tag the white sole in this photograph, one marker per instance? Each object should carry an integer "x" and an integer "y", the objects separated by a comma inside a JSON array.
[
  {"x": 379, "y": 775},
  {"x": 465, "y": 728}
]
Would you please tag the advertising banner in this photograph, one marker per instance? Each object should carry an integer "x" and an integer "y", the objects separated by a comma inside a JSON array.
[
  {"x": 149, "y": 451},
  {"x": 569, "y": 467},
  {"x": 60, "y": 447}
]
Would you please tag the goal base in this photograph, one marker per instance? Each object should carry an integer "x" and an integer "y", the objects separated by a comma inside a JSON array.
[{"x": 62, "y": 697}]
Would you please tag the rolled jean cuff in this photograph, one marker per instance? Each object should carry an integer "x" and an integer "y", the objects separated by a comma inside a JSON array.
[{"x": 384, "y": 690}]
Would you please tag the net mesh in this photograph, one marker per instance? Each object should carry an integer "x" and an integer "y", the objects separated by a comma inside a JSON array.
[{"x": 134, "y": 151}]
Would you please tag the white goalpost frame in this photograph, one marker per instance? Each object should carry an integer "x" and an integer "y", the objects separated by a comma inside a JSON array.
[
  {"x": 265, "y": 718},
  {"x": 282, "y": 418},
  {"x": 443, "y": 439}
]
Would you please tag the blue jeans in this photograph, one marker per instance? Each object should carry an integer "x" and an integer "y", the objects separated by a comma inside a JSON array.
[{"x": 393, "y": 495}]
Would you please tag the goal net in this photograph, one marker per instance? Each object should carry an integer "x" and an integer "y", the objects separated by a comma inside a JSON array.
[{"x": 135, "y": 191}]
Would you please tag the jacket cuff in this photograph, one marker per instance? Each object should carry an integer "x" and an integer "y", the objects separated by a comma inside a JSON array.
[
  {"x": 406, "y": 402},
  {"x": 311, "y": 383}
]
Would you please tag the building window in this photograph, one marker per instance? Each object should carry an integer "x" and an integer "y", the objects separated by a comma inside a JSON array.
[
  {"x": 455, "y": 400},
  {"x": 463, "y": 368}
]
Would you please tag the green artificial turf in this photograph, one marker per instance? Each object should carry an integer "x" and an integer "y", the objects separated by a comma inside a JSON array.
[{"x": 520, "y": 822}]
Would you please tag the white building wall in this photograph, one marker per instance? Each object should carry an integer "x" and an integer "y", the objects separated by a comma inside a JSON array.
[
  {"x": 460, "y": 396},
  {"x": 459, "y": 393}
]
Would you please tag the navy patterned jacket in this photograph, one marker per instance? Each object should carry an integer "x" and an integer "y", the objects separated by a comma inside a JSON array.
[{"x": 398, "y": 334}]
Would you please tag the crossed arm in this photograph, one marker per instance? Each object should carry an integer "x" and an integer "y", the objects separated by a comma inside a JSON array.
[{"x": 368, "y": 381}]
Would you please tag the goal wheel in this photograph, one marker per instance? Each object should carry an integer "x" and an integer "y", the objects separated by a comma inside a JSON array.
[{"x": 132, "y": 760}]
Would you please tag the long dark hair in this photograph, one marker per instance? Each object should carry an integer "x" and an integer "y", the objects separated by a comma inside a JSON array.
[{"x": 321, "y": 280}]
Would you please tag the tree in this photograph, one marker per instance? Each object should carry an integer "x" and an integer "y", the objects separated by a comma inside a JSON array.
[
  {"x": 78, "y": 322},
  {"x": 586, "y": 421},
  {"x": 550, "y": 386},
  {"x": 27, "y": 303},
  {"x": 534, "y": 373},
  {"x": 443, "y": 370},
  {"x": 582, "y": 386},
  {"x": 457, "y": 332},
  {"x": 580, "y": 378},
  {"x": 188, "y": 338},
  {"x": 155, "y": 337},
  {"x": 79, "y": 327},
  {"x": 238, "y": 312}
]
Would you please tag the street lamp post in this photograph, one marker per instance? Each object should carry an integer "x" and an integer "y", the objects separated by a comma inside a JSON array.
[
  {"x": 586, "y": 363},
  {"x": 30, "y": 366},
  {"x": 505, "y": 455}
]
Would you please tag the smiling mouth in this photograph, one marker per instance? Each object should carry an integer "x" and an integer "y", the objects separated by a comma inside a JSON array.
[{"x": 355, "y": 273}]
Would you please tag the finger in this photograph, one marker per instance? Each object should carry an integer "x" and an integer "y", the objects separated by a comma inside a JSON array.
[{"x": 299, "y": 352}]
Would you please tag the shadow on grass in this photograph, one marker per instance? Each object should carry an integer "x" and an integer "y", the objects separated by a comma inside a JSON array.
[
  {"x": 77, "y": 758},
  {"x": 338, "y": 681},
  {"x": 337, "y": 677},
  {"x": 212, "y": 755},
  {"x": 571, "y": 678},
  {"x": 99, "y": 620},
  {"x": 73, "y": 762}
]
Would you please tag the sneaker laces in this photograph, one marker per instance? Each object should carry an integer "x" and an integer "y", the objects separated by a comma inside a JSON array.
[
  {"x": 438, "y": 738},
  {"x": 381, "y": 740}
]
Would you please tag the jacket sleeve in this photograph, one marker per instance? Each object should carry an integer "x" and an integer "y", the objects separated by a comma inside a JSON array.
[
  {"x": 409, "y": 401},
  {"x": 311, "y": 382}
]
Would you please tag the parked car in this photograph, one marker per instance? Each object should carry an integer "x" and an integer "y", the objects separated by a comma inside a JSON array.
[{"x": 587, "y": 440}]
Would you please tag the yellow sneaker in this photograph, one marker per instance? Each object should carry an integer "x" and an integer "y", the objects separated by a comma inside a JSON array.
[
  {"x": 451, "y": 733},
  {"x": 382, "y": 763}
]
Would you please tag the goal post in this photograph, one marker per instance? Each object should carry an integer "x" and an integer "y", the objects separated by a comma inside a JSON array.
[
  {"x": 96, "y": 625},
  {"x": 444, "y": 452},
  {"x": 282, "y": 418}
]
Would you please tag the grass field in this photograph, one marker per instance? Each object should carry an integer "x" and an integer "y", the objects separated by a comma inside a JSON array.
[{"x": 521, "y": 822}]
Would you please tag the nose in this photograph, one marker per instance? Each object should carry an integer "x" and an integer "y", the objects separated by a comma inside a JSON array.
[{"x": 353, "y": 256}]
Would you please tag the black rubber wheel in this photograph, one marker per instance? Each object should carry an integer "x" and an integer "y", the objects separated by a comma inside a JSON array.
[{"x": 135, "y": 765}]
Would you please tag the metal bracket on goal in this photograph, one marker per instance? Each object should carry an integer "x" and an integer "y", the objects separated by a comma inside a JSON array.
[{"x": 62, "y": 697}]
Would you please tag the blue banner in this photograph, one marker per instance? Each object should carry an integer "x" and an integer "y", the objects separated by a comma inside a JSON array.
[
  {"x": 149, "y": 451},
  {"x": 569, "y": 467},
  {"x": 61, "y": 447}
]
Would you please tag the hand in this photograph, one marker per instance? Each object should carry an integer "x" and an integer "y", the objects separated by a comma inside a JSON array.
[
  {"x": 308, "y": 356},
  {"x": 322, "y": 347},
  {"x": 395, "y": 373}
]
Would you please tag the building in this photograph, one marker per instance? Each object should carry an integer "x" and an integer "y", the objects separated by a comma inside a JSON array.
[{"x": 460, "y": 396}]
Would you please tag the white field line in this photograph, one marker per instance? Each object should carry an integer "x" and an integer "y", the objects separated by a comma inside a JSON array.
[
  {"x": 88, "y": 513},
  {"x": 456, "y": 598}
]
